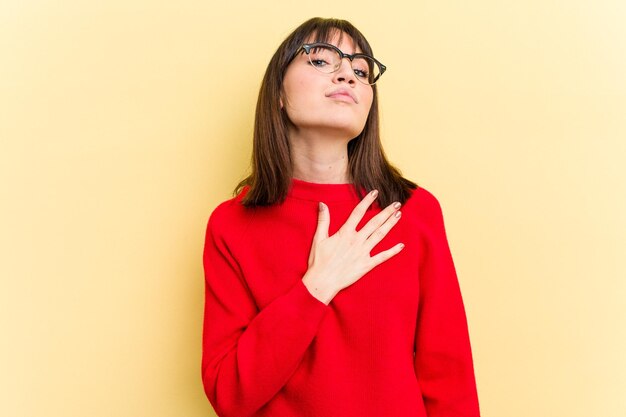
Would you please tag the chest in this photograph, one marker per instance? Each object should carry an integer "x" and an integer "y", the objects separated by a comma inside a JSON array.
[{"x": 277, "y": 247}]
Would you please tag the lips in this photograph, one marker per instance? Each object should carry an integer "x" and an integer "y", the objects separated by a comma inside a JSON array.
[{"x": 342, "y": 92}]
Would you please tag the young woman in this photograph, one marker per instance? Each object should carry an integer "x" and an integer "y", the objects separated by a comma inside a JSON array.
[{"x": 330, "y": 286}]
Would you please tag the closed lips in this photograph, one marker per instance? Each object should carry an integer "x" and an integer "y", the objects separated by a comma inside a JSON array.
[{"x": 343, "y": 92}]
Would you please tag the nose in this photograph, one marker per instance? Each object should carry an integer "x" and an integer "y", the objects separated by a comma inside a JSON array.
[{"x": 345, "y": 72}]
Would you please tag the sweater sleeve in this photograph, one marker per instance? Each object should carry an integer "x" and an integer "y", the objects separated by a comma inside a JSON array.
[
  {"x": 443, "y": 356},
  {"x": 248, "y": 355}
]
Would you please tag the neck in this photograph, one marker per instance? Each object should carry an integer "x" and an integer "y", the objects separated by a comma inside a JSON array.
[{"x": 319, "y": 158}]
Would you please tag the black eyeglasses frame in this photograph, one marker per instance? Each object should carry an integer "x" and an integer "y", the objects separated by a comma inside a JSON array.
[{"x": 308, "y": 46}]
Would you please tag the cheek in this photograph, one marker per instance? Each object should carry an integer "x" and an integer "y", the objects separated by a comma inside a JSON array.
[
  {"x": 368, "y": 99},
  {"x": 294, "y": 94}
]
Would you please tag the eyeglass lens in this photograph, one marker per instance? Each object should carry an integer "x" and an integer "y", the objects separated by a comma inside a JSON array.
[{"x": 328, "y": 60}]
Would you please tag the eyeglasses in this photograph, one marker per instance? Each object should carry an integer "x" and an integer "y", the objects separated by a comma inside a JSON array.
[{"x": 327, "y": 58}]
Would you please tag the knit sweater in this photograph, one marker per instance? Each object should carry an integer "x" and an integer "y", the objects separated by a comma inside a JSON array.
[{"x": 394, "y": 343}]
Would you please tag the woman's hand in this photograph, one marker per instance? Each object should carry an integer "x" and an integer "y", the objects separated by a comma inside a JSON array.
[{"x": 338, "y": 261}]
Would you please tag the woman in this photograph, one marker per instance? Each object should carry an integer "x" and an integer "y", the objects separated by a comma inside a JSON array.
[{"x": 323, "y": 298}]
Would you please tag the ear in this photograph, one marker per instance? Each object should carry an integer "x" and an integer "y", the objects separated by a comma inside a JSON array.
[{"x": 280, "y": 100}]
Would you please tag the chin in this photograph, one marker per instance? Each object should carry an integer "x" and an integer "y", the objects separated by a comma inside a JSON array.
[
  {"x": 349, "y": 126},
  {"x": 350, "y": 131}
]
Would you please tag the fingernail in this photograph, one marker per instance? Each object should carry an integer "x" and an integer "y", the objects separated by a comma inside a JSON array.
[
  {"x": 375, "y": 193},
  {"x": 396, "y": 205},
  {"x": 398, "y": 214},
  {"x": 401, "y": 246},
  {"x": 321, "y": 206}
]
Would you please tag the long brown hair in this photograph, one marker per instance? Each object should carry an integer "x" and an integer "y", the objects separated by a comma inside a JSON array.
[{"x": 272, "y": 168}]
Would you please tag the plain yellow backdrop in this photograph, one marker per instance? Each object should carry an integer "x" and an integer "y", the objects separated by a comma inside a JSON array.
[{"x": 124, "y": 123}]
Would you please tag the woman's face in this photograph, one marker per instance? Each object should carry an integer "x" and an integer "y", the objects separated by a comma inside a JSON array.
[{"x": 337, "y": 103}]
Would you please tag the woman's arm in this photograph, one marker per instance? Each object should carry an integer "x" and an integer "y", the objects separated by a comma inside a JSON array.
[
  {"x": 443, "y": 356},
  {"x": 248, "y": 355}
]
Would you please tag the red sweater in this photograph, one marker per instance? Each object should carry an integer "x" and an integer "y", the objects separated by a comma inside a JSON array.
[{"x": 395, "y": 343}]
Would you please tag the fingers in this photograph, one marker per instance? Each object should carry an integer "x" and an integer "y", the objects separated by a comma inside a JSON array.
[
  {"x": 376, "y": 221},
  {"x": 323, "y": 223},
  {"x": 382, "y": 231},
  {"x": 360, "y": 209},
  {"x": 386, "y": 255}
]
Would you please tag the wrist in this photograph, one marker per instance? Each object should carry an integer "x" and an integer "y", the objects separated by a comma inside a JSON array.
[{"x": 321, "y": 289}]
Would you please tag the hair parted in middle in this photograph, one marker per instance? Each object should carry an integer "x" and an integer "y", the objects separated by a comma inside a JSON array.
[{"x": 272, "y": 170}]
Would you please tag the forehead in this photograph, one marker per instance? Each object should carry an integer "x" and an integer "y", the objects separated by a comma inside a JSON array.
[{"x": 340, "y": 39}]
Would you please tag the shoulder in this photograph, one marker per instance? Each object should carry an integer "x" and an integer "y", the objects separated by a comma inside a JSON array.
[
  {"x": 424, "y": 204},
  {"x": 423, "y": 212},
  {"x": 229, "y": 215}
]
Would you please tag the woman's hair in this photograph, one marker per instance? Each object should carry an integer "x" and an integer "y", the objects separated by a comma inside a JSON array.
[{"x": 272, "y": 168}]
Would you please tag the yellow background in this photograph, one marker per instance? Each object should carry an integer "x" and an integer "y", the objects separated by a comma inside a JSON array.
[{"x": 124, "y": 123}]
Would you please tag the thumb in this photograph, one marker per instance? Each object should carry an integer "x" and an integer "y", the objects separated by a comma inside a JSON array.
[{"x": 323, "y": 223}]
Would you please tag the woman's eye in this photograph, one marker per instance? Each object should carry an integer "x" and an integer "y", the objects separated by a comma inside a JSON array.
[
  {"x": 361, "y": 73},
  {"x": 318, "y": 62}
]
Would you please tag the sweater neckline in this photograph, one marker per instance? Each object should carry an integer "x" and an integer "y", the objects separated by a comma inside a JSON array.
[{"x": 314, "y": 191}]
